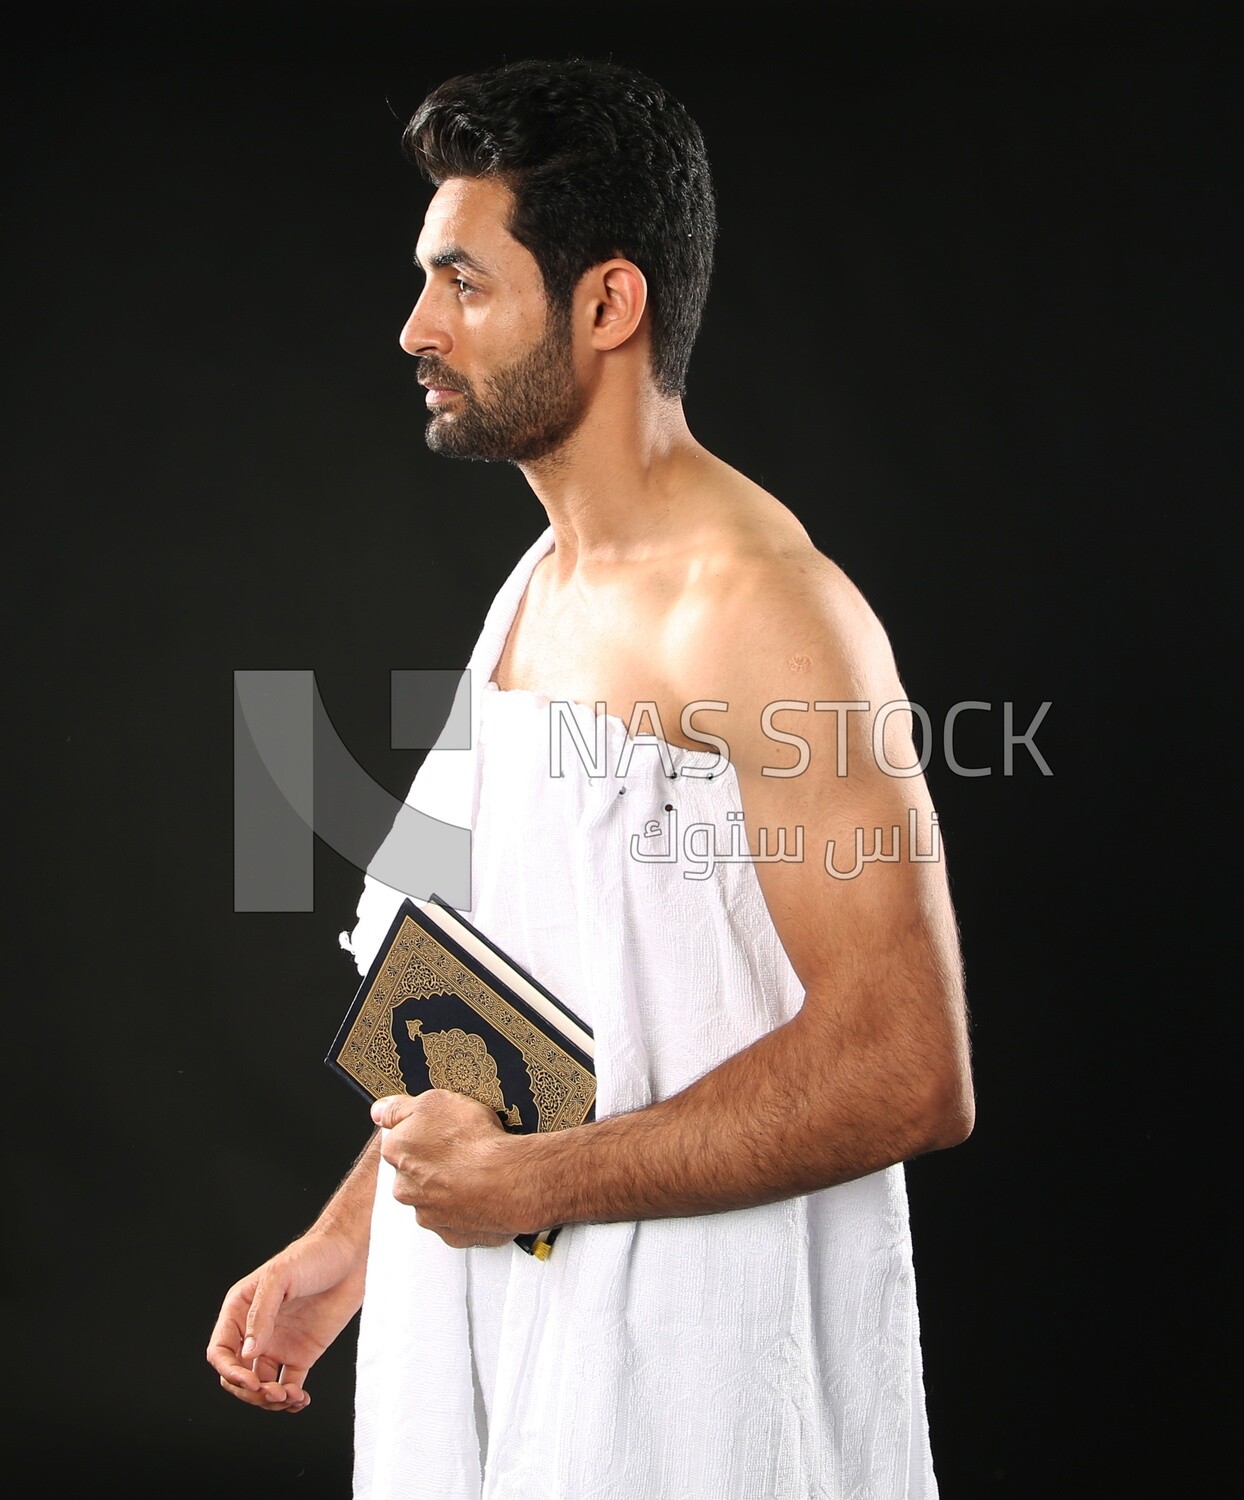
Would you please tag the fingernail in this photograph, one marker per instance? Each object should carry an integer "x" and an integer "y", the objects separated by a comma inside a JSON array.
[{"x": 248, "y": 1348}]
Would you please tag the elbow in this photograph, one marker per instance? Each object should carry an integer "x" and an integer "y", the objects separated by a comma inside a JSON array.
[
  {"x": 947, "y": 1114},
  {"x": 957, "y": 1122}
]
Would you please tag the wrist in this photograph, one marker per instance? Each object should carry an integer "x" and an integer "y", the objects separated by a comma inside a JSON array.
[
  {"x": 347, "y": 1244},
  {"x": 520, "y": 1184}
]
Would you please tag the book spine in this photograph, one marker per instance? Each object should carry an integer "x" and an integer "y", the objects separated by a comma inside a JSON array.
[{"x": 539, "y": 1244}]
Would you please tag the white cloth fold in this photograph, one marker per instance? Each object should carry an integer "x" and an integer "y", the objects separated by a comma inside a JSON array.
[{"x": 763, "y": 1354}]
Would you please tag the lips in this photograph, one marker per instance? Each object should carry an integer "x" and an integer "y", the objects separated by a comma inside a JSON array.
[{"x": 439, "y": 393}]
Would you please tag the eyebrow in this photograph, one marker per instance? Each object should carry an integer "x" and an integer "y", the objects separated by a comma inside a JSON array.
[{"x": 455, "y": 255}]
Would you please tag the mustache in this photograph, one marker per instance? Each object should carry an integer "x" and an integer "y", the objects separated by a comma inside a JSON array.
[{"x": 432, "y": 371}]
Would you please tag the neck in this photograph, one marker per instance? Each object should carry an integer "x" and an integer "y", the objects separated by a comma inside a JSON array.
[{"x": 618, "y": 489}]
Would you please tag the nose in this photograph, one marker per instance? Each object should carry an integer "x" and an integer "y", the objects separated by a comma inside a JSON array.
[{"x": 421, "y": 335}]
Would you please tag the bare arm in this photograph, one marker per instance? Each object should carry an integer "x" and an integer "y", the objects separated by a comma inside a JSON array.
[
  {"x": 275, "y": 1323},
  {"x": 826, "y": 1098},
  {"x": 874, "y": 1068}
]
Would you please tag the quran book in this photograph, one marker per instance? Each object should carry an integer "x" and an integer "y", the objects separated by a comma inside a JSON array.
[{"x": 442, "y": 1007}]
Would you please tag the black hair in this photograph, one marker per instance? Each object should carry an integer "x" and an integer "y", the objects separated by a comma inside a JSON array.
[{"x": 602, "y": 162}]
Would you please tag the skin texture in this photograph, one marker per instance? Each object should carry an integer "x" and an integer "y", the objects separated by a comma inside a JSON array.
[
  {"x": 275, "y": 1323},
  {"x": 523, "y": 412},
  {"x": 673, "y": 579}
]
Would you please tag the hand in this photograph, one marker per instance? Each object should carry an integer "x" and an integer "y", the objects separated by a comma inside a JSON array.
[
  {"x": 275, "y": 1323},
  {"x": 455, "y": 1164}
]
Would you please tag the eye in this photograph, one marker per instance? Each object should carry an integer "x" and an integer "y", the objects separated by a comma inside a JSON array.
[{"x": 463, "y": 285}]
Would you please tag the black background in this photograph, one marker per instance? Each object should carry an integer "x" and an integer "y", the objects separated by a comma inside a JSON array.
[{"x": 971, "y": 321}]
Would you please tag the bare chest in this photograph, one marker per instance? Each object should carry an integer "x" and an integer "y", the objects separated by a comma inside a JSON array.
[{"x": 608, "y": 650}]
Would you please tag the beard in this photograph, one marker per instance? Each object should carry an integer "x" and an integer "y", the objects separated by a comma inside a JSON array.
[{"x": 522, "y": 413}]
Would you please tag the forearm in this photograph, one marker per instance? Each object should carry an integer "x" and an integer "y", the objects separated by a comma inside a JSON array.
[
  {"x": 284, "y": 1315},
  {"x": 346, "y": 1217},
  {"x": 792, "y": 1113}
]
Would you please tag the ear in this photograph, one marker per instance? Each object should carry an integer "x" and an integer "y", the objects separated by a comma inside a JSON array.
[{"x": 617, "y": 295}]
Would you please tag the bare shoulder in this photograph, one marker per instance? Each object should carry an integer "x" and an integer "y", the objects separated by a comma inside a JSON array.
[{"x": 770, "y": 615}]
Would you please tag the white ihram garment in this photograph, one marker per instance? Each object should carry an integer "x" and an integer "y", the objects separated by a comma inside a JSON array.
[{"x": 768, "y": 1353}]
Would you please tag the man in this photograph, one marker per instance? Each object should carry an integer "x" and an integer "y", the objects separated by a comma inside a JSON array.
[{"x": 780, "y": 1023}]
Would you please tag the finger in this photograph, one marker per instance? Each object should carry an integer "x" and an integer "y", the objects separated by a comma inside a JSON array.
[
  {"x": 224, "y": 1354},
  {"x": 261, "y": 1318},
  {"x": 295, "y": 1400},
  {"x": 391, "y": 1110},
  {"x": 281, "y": 1384},
  {"x": 292, "y": 1377},
  {"x": 461, "y": 1239},
  {"x": 243, "y": 1393},
  {"x": 287, "y": 1393},
  {"x": 235, "y": 1377},
  {"x": 472, "y": 1239},
  {"x": 269, "y": 1397}
]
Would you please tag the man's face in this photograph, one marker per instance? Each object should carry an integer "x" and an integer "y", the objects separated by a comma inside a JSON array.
[{"x": 498, "y": 364}]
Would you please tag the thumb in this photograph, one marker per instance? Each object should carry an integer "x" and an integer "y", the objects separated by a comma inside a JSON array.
[{"x": 391, "y": 1110}]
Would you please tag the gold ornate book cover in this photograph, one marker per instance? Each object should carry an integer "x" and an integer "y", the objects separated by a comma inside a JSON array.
[{"x": 443, "y": 1007}]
